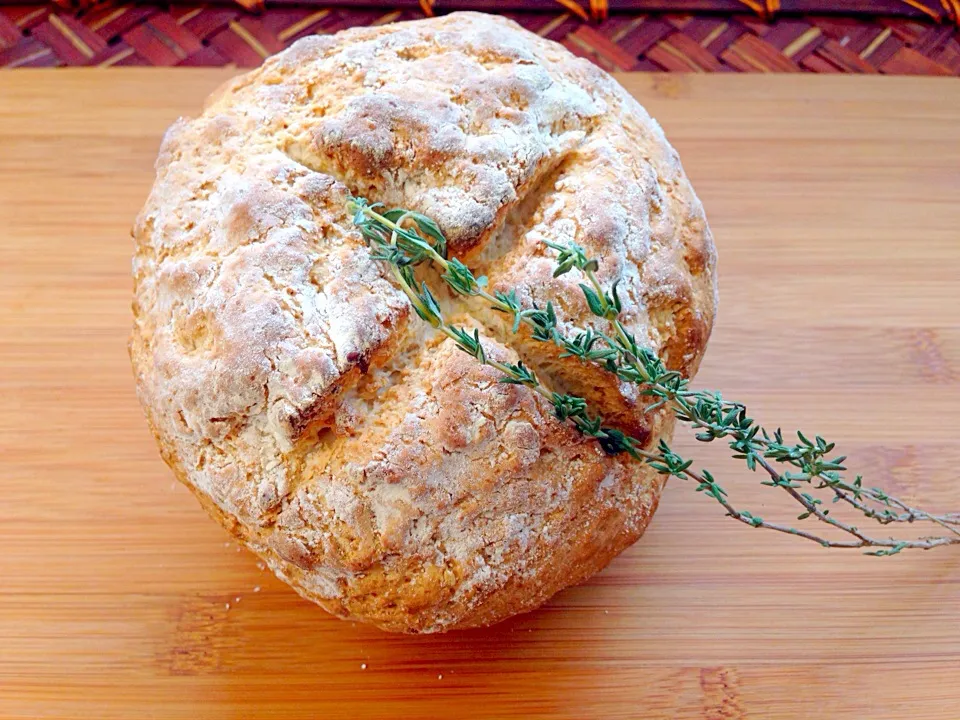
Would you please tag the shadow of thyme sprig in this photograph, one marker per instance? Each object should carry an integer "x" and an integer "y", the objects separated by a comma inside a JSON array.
[{"x": 404, "y": 239}]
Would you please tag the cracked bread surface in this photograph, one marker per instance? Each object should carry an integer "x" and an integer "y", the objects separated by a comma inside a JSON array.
[{"x": 381, "y": 472}]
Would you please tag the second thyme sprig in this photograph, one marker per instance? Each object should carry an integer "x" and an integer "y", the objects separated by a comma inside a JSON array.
[{"x": 405, "y": 239}]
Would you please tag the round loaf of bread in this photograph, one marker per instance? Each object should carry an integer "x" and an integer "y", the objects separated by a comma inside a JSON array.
[{"x": 378, "y": 470}]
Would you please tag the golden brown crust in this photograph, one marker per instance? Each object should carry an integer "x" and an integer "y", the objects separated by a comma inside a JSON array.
[{"x": 381, "y": 472}]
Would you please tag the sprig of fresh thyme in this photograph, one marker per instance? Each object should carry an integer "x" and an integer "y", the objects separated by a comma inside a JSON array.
[{"x": 404, "y": 239}]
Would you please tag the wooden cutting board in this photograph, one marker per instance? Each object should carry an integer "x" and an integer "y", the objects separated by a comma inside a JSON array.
[{"x": 834, "y": 204}]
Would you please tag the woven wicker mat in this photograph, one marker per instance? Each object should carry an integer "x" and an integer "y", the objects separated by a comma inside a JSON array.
[{"x": 107, "y": 34}]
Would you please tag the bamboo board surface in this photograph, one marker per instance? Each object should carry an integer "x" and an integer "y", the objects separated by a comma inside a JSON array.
[{"x": 834, "y": 205}]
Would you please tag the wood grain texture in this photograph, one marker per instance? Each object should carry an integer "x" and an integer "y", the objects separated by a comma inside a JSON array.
[{"x": 834, "y": 205}]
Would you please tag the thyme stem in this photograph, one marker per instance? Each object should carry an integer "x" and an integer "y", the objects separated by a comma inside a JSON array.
[{"x": 405, "y": 239}]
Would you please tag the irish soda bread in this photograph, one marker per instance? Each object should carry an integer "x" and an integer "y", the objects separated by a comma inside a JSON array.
[{"x": 381, "y": 472}]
